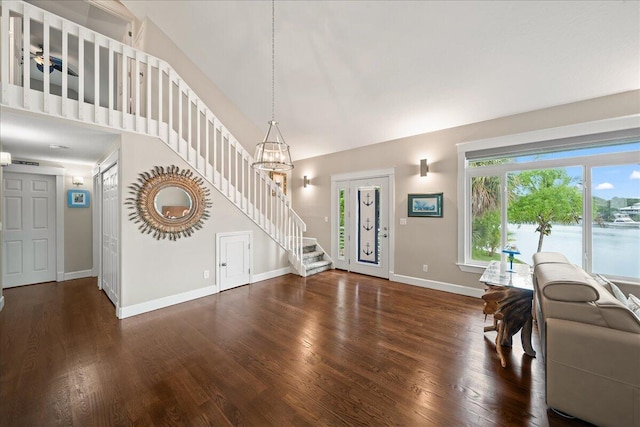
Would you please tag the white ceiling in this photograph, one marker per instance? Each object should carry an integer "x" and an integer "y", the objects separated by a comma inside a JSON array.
[
  {"x": 353, "y": 73},
  {"x": 28, "y": 136}
]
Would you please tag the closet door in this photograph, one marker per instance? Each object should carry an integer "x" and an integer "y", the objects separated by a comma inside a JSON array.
[
  {"x": 29, "y": 235},
  {"x": 110, "y": 234}
]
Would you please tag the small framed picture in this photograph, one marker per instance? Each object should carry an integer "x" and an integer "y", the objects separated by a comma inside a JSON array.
[
  {"x": 425, "y": 205},
  {"x": 281, "y": 181},
  {"x": 78, "y": 198}
]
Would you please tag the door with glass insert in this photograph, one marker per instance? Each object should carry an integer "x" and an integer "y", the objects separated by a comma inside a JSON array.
[{"x": 362, "y": 226}]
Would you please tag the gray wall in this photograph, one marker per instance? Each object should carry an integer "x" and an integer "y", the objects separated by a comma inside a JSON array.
[
  {"x": 431, "y": 241},
  {"x": 156, "y": 43},
  {"x": 152, "y": 269},
  {"x": 78, "y": 229}
]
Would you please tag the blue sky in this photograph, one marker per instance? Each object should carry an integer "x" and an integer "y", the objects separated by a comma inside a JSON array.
[
  {"x": 608, "y": 181},
  {"x": 616, "y": 181}
]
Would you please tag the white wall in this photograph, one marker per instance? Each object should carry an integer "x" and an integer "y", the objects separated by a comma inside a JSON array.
[{"x": 153, "y": 269}]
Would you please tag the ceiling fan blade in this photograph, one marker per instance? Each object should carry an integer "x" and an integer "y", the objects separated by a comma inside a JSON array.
[{"x": 57, "y": 64}]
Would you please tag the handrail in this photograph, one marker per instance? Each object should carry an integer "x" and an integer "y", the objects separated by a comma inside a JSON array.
[{"x": 120, "y": 87}]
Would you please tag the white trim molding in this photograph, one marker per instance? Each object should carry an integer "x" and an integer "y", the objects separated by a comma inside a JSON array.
[
  {"x": 270, "y": 274},
  {"x": 438, "y": 286},
  {"x": 1, "y": 302},
  {"x": 363, "y": 174},
  {"x": 72, "y": 275},
  {"x": 156, "y": 304}
]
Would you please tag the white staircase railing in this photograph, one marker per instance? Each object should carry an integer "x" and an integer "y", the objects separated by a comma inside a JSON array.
[{"x": 120, "y": 87}]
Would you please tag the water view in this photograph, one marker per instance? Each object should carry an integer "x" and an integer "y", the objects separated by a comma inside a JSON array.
[{"x": 616, "y": 252}]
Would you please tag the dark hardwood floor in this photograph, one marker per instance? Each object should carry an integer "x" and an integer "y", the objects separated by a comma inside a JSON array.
[{"x": 332, "y": 349}]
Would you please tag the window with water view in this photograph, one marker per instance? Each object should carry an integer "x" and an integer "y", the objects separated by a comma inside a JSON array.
[{"x": 584, "y": 203}]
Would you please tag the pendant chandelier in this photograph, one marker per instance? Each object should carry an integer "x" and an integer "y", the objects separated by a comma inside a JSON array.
[{"x": 272, "y": 154}]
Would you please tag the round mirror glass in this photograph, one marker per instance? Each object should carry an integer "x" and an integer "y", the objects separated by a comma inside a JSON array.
[{"x": 173, "y": 203}]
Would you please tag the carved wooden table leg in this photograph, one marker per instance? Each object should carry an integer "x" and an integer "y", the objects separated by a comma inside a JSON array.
[{"x": 511, "y": 308}]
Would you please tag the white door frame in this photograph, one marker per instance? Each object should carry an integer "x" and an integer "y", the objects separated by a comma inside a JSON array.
[
  {"x": 375, "y": 173},
  {"x": 219, "y": 237},
  {"x": 111, "y": 160},
  {"x": 60, "y": 199},
  {"x": 96, "y": 218}
]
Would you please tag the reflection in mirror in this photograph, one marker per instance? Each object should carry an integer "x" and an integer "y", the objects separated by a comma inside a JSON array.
[
  {"x": 169, "y": 203},
  {"x": 172, "y": 202}
]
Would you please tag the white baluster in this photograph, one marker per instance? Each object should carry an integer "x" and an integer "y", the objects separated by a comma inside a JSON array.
[
  {"x": 26, "y": 52},
  {"x": 46, "y": 76},
  {"x": 110, "y": 83}
]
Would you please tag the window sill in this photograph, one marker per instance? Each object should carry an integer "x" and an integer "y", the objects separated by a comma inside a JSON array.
[{"x": 471, "y": 268}]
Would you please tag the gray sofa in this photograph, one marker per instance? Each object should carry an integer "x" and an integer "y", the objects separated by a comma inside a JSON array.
[{"x": 590, "y": 344}]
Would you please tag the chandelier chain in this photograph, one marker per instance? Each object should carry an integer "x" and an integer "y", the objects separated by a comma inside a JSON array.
[{"x": 273, "y": 60}]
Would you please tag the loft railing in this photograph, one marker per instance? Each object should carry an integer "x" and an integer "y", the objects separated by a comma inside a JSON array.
[{"x": 107, "y": 83}]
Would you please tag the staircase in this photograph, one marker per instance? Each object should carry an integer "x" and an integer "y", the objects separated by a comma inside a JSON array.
[
  {"x": 126, "y": 89},
  {"x": 314, "y": 259}
]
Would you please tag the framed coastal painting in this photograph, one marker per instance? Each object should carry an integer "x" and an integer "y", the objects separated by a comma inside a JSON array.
[{"x": 429, "y": 205}]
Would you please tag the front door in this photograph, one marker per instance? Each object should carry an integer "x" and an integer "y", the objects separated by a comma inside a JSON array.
[
  {"x": 29, "y": 235},
  {"x": 361, "y": 226},
  {"x": 234, "y": 259}
]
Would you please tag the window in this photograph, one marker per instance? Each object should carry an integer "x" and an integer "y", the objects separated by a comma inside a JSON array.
[{"x": 579, "y": 196}]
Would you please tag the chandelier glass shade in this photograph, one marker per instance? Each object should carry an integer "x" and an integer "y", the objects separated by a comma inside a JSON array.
[{"x": 272, "y": 153}]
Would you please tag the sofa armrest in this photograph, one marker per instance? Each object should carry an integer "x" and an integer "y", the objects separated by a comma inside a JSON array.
[{"x": 593, "y": 372}]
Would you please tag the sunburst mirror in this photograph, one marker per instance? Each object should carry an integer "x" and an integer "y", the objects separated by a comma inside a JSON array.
[{"x": 169, "y": 203}]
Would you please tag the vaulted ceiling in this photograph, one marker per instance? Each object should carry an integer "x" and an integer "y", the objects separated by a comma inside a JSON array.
[{"x": 353, "y": 73}]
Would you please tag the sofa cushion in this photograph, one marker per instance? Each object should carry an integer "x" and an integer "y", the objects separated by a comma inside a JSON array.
[
  {"x": 565, "y": 282},
  {"x": 568, "y": 292},
  {"x": 549, "y": 258}
]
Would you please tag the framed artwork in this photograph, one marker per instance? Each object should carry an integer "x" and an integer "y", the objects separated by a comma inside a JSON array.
[
  {"x": 78, "y": 198},
  {"x": 425, "y": 205},
  {"x": 281, "y": 181}
]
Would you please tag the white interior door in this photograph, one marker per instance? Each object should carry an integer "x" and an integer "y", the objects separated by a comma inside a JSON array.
[
  {"x": 234, "y": 259},
  {"x": 110, "y": 234},
  {"x": 361, "y": 226},
  {"x": 29, "y": 237}
]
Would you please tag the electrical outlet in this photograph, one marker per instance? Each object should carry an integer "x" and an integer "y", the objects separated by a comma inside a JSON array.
[
  {"x": 206, "y": 274},
  {"x": 425, "y": 268}
]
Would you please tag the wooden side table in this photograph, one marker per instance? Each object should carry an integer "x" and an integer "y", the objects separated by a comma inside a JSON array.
[{"x": 509, "y": 298}]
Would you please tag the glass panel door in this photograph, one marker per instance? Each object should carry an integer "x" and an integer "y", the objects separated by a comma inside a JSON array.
[{"x": 369, "y": 245}]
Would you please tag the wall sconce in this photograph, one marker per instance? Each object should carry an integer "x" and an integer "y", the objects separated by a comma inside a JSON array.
[
  {"x": 305, "y": 181},
  {"x": 77, "y": 180},
  {"x": 424, "y": 167},
  {"x": 5, "y": 158}
]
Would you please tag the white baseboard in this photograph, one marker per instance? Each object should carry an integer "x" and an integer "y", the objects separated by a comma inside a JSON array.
[
  {"x": 78, "y": 274},
  {"x": 145, "y": 307},
  {"x": 440, "y": 286},
  {"x": 270, "y": 274},
  {"x": 1, "y": 302}
]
